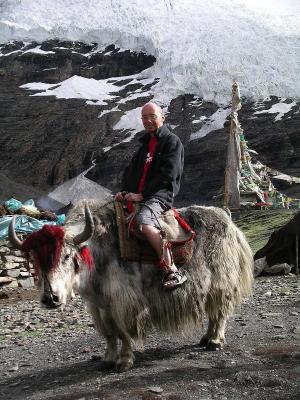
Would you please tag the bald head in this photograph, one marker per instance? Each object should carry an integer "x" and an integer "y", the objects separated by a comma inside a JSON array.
[
  {"x": 152, "y": 117},
  {"x": 148, "y": 107}
]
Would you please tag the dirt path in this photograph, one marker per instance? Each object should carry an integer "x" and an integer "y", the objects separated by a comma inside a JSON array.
[{"x": 58, "y": 355}]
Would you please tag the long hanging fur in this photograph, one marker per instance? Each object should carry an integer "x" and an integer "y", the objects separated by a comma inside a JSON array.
[
  {"x": 219, "y": 276},
  {"x": 46, "y": 246}
]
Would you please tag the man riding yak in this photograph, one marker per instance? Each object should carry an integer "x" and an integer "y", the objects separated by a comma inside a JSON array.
[
  {"x": 153, "y": 179},
  {"x": 125, "y": 298}
]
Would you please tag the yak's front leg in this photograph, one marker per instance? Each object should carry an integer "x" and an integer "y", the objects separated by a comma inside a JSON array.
[
  {"x": 214, "y": 338},
  {"x": 126, "y": 357},
  {"x": 105, "y": 326}
]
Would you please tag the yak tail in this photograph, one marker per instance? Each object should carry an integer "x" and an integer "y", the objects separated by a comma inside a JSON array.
[
  {"x": 246, "y": 265},
  {"x": 232, "y": 277}
]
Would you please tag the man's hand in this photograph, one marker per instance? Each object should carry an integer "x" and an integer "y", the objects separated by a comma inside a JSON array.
[
  {"x": 120, "y": 196},
  {"x": 135, "y": 197}
]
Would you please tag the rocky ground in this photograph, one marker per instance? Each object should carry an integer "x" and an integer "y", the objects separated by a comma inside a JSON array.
[{"x": 47, "y": 355}]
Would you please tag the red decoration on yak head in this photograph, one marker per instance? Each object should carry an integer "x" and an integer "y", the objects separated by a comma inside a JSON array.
[
  {"x": 46, "y": 246},
  {"x": 86, "y": 257}
]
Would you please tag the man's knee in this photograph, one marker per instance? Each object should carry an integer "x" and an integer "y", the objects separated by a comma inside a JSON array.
[
  {"x": 149, "y": 214},
  {"x": 146, "y": 228}
]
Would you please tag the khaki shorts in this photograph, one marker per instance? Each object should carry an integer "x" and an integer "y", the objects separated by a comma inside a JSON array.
[{"x": 150, "y": 212}]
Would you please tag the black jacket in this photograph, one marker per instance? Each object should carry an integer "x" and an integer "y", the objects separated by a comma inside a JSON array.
[{"x": 164, "y": 175}]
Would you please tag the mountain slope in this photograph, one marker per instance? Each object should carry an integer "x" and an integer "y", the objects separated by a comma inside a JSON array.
[{"x": 53, "y": 123}]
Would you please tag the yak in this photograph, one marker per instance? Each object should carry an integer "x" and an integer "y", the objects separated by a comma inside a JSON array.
[
  {"x": 126, "y": 299},
  {"x": 283, "y": 245}
]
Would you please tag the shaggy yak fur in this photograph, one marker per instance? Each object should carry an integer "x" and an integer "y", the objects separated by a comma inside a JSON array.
[
  {"x": 282, "y": 245},
  {"x": 126, "y": 299}
]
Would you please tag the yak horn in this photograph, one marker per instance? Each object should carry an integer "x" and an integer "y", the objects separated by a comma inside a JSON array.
[
  {"x": 15, "y": 241},
  {"x": 88, "y": 229}
]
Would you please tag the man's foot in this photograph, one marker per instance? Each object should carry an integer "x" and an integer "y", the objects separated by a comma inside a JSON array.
[{"x": 173, "y": 279}]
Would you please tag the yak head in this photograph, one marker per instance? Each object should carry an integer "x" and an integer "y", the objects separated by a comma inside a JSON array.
[{"x": 58, "y": 258}]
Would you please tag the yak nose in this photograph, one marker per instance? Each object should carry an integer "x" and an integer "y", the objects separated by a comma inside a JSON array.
[{"x": 50, "y": 300}]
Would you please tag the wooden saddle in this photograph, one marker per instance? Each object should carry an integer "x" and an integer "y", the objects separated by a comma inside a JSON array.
[{"x": 175, "y": 231}]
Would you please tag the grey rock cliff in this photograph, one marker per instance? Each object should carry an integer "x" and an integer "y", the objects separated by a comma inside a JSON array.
[{"x": 44, "y": 140}]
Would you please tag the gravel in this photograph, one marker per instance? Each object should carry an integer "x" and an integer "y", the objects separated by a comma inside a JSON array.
[{"x": 57, "y": 354}]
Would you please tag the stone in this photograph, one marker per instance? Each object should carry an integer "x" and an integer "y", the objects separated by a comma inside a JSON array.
[
  {"x": 30, "y": 328},
  {"x": 296, "y": 331},
  {"x": 26, "y": 283},
  {"x": 259, "y": 266},
  {"x": 14, "y": 273},
  {"x": 11, "y": 265},
  {"x": 271, "y": 314},
  {"x": 268, "y": 293},
  {"x": 25, "y": 273},
  {"x": 155, "y": 389},
  {"x": 278, "y": 269},
  {"x": 17, "y": 253},
  {"x": 85, "y": 349},
  {"x": 12, "y": 259},
  {"x": 284, "y": 292},
  {"x": 6, "y": 279},
  {"x": 14, "y": 369}
]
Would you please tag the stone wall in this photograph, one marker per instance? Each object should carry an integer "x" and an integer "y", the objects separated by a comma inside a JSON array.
[{"x": 13, "y": 268}]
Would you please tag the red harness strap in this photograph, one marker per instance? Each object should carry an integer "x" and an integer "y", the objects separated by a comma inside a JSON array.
[{"x": 184, "y": 225}]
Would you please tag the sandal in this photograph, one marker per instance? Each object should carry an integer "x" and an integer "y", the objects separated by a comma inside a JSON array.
[{"x": 173, "y": 279}]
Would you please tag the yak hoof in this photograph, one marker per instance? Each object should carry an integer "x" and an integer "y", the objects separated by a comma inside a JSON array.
[
  {"x": 211, "y": 346},
  {"x": 124, "y": 365}
]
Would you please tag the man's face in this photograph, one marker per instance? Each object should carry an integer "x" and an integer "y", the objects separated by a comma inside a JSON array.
[{"x": 152, "y": 118}]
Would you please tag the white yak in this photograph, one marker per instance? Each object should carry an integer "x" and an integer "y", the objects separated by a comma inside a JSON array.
[{"x": 126, "y": 299}]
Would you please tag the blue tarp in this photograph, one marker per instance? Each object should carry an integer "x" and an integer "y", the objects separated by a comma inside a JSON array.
[{"x": 25, "y": 224}]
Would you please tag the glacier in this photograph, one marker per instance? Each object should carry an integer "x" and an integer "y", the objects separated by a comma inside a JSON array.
[{"x": 200, "y": 46}]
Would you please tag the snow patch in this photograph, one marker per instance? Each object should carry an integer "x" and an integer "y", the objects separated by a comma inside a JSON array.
[
  {"x": 96, "y": 92},
  {"x": 78, "y": 87},
  {"x": 131, "y": 120},
  {"x": 38, "y": 50},
  {"x": 38, "y": 86},
  {"x": 280, "y": 108},
  {"x": 201, "y": 119},
  {"x": 216, "y": 121}
]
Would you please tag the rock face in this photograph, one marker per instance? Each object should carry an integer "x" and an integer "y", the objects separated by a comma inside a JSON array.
[{"x": 45, "y": 140}]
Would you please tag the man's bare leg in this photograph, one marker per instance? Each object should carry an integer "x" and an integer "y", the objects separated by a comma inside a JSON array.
[{"x": 152, "y": 234}]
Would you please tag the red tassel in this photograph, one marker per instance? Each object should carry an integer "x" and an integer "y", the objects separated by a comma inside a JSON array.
[
  {"x": 45, "y": 246},
  {"x": 130, "y": 206},
  {"x": 86, "y": 257}
]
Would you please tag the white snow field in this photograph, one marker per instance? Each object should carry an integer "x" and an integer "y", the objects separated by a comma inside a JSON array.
[{"x": 200, "y": 45}]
